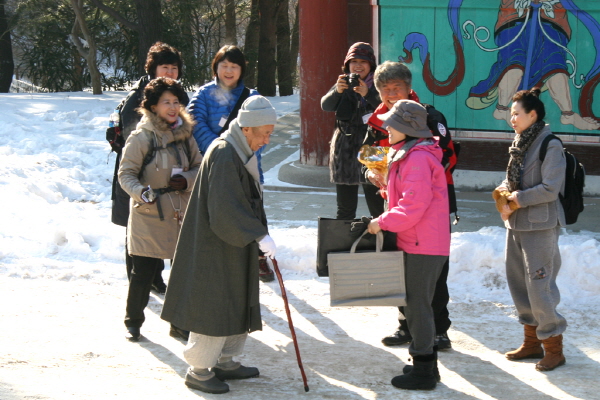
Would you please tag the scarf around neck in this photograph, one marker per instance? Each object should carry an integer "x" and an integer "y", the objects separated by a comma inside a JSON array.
[
  {"x": 236, "y": 138},
  {"x": 369, "y": 80},
  {"x": 517, "y": 152},
  {"x": 399, "y": 150}
]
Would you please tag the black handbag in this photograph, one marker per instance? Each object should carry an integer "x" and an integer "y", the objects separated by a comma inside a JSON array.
[{"x": 335, "y": 235}]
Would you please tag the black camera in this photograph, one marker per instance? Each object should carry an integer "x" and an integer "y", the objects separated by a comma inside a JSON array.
[{"x": 352, "y": 80}]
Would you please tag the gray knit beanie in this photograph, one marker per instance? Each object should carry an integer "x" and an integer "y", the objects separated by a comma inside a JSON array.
[
  {"x": 408, "y": 117},
  {"x": 256, "y": 111}
]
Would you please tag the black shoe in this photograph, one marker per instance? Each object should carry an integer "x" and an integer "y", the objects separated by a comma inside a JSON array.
[
  {"x": 265, "y": 273},
  {"x": 421, "y": 376},
  {"x": 179, "y": 333},
  {"x": 436, "y": 371},
  {"x": 159, "y": 288},
  {"x": 133, "y": 334},
  {"x": 213, "y": 385},
  {"x": 442, "y": 341},
  {"x": 240, "y": 372},
  {"x": 400, "y": 337}
]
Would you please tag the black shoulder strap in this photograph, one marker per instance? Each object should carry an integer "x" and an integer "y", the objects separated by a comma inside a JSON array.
[
  {"x": 544, "y": 147},
  {"x": 149, "y": 156},
  {"x": 245, "y": 94}
]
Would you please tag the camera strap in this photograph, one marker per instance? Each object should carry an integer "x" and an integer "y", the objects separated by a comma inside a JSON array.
[{"x": 161, "y": 191}]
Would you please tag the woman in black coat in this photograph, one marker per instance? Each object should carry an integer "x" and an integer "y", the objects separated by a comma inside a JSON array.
[{"x": 353, "y": 99}]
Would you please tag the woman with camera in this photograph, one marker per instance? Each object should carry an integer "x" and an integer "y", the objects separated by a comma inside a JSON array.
[
  {"x": 353, "y": 98},
  {"x": 158, "y": 168}
]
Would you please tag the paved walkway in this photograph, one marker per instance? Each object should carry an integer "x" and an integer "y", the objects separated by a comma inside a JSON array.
[{"x": 299, "y": 194}]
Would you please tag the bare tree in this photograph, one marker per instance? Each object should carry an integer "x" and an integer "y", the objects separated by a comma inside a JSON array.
[
  {"x": 88, "y": 53},
  {"x": 148, "y": 26},
  {"x": 251, "y": 44},
  {"x": 284, "y": 70},
  {"x": 230, "y": 23},
  {"x": 295, "y": 46},
  {"x": 7, "y": 64},
  {"x": 267, "y": 47}
]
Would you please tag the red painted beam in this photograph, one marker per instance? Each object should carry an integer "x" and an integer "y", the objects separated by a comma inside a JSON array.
[{"x": 323, "y": 46}]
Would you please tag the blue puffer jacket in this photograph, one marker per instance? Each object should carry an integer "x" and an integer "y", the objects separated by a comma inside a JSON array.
[{"x": 209, "y": 104}]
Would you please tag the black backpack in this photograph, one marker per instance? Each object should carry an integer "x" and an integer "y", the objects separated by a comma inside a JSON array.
[
  {"x": 114, "y": 132},
  {"x": 572, "y": 200},
  {"x": 437, "y": 124}
]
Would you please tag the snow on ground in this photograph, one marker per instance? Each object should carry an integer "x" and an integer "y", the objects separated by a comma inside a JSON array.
[{"x": 64, "y": 287}]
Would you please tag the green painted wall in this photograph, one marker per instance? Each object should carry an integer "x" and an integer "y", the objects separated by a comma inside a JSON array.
[{"x": 398, "y": 19}]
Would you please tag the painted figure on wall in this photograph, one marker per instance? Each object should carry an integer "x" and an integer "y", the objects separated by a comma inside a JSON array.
[{"x": 531, "y": 38}]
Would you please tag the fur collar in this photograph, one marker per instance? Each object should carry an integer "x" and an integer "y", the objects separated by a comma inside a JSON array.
[{"x": 153, "y": 123}]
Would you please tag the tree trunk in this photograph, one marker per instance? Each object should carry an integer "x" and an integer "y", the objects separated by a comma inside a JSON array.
[
  {"x": 267, "y": 46},
  {"x": 284, "y": 70},
  {"x": 90, "y": 53},
  {"x": 77, "y": 72},
  {"x": 230, "y": 29},
  {"x": 251, "y": 45},
  {"x": 295, "y": 46},
  {"x": 7, "y": 64},
  {"x": 149, "y": 28}
]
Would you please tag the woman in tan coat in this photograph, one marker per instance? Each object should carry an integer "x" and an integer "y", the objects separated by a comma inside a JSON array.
[{"x": 158, "y": 168}]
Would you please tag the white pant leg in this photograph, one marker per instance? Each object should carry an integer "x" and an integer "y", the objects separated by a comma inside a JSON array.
[{"x": 204, "y": 351}]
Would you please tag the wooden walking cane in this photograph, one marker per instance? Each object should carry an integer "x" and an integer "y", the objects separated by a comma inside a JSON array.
[{"x": 289, "y": 317}]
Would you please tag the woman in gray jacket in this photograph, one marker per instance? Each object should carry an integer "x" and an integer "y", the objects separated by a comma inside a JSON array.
[
  {"x": 532, "y": 254},
  {"x": 158, "y": 170}
]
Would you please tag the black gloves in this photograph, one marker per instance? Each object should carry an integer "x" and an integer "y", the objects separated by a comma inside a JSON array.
[
  {"x": 178, "y": 182},
  {"x": 361, "y": 225}
]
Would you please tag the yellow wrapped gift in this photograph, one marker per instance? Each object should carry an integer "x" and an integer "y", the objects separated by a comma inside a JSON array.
[{"x": 375, "y": 159}]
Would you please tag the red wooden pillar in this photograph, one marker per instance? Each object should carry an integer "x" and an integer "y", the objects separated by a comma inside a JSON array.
[{"x": 323, "y": 46}]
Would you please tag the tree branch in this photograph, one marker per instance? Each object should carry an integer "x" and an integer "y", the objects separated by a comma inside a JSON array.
[
  {"x": 76, "y": 27},
  {"x": 113, "y": 13}
]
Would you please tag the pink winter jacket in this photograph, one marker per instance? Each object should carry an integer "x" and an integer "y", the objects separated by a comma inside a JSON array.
[{"x": 418, "y": 199}]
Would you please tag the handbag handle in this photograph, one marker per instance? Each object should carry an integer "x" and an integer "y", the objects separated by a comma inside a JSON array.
[{"x": 378, "y": 241}]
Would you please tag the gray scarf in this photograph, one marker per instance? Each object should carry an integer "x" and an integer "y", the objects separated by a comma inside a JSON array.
[
  {"x": 517, "y": 154},
  {"x": 409, "y": 143},
  {"x": 236, "y": 138}
]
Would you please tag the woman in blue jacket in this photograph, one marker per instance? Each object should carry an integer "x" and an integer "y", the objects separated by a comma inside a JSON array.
[{"x": 217, "y": 103}]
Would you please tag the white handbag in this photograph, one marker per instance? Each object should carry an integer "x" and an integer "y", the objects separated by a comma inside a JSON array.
[{"x": 367, "y": 278}]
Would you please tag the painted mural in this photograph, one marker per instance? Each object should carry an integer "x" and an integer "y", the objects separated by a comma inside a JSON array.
[{"x": 493, "y": 52}]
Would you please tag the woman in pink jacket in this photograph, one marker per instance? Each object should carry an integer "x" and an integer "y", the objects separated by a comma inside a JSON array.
[{"x": 417, "y": 212}]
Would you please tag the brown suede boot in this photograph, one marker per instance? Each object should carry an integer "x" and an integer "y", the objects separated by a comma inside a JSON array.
[
  {"x": 554, "y": 354},
  {"x": 531, "y": 347}
]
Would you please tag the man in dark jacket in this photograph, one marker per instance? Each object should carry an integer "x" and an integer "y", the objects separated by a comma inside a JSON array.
[{"x": 214, "y": 288}]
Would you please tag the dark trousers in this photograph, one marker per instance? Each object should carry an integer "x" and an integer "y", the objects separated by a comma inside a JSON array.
[
  {"x": 347, "y": 200},
  {"x": 421, "y": 273},
  {"x": 158, "y": 279},
  {"x": 140, "y": 283},
  {"x": 439, "y": 304}
]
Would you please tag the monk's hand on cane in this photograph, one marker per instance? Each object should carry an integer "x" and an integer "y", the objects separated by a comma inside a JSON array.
[{"x": 267, "y": 246}]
